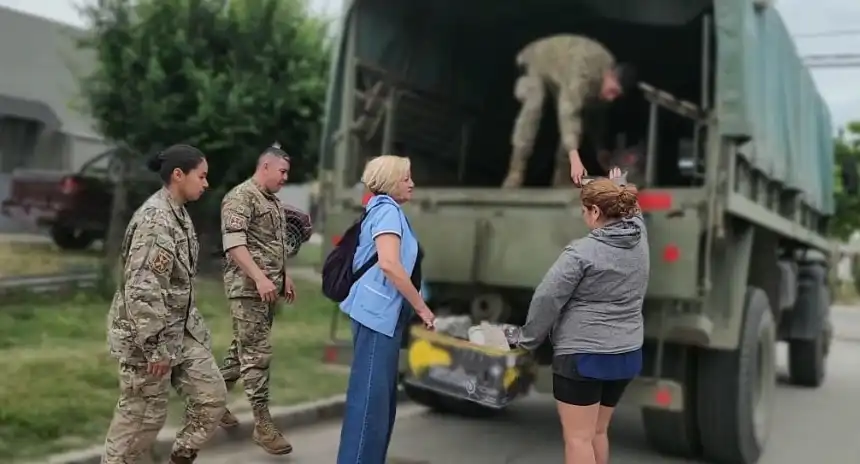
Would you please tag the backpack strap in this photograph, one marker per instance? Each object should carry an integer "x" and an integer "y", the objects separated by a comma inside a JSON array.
[
  {"x": 366, "y": 267},
  {"x": 373, "y": 259}
]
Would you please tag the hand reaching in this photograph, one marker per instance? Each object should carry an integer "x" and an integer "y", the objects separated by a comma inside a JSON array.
[{"x": 577, "y": 169}]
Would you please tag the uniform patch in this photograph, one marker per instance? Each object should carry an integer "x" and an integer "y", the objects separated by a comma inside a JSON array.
[
  {"x": 160, "y": 263},
  {"x": 236, "y": 222}
]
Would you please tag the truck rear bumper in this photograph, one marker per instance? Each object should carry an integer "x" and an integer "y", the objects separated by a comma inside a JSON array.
[{"x": 646, "y": 392}]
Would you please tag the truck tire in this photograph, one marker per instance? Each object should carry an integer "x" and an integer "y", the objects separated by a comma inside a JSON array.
[
  {"x": 676, "y": 434},
  {"x": 807, "y": 357},
  {"x": 70, "y": 239},
  {"x": 736, "y": 389},
  {"x": 807, "y": 360},
  {"x": 446, "y": 405}
]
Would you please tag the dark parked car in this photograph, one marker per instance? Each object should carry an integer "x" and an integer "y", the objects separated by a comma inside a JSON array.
[{"x": 76, "y": 207}]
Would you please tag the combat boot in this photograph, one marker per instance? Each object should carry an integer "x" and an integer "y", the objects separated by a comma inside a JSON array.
[
  {"x": 267, "y": 436},
  {"x": 182, "y": 457},
  {"x": 513, "y": 180},
  {"x": 228, "y": 420}
]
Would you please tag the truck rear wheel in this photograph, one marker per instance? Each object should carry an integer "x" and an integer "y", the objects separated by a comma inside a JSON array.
[
  {"x": 676, "y": 433},
  {"x": 70, "y": 239},
  {"x": 445, "y": 404},
  {"x": 736, "y": 389},
  {"x": 807, "y": 357},
  {"x": 807, "y": 360}
]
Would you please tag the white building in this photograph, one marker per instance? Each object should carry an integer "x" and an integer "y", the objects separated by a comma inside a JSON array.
[{"x": 39, "y": 126}]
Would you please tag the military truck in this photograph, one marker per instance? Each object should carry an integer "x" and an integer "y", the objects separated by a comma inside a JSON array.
[{"x": 737, "y": 187}]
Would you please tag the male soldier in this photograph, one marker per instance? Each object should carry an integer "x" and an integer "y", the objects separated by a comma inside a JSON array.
[
  {"x": 154, "y": 327},
  {"x": 582, "y": 74},
  {"x": 253, "y": 232}
]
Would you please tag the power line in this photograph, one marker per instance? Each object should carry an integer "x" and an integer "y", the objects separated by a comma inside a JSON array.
[
  {"x": 833, "y": 60},
  {"x": 831, "y": 56},
  {"x": 835, "y": 33},
  {"x": 854, "y": 65}
]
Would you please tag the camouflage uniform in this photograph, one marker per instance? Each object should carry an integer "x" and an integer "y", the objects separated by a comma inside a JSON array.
[
  {"x": 153, "y": 317},
  {"x": 254, "y": 218},
  {"x": 572, "y": 68}
]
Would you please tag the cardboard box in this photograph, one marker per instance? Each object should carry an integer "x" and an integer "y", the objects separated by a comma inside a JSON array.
[{"x": 457, "y": 368}]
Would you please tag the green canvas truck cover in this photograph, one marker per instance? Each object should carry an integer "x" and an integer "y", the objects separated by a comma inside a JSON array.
[{"x": 764, "y": 93}]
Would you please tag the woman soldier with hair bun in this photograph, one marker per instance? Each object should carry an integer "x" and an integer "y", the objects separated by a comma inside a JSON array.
[
  {"x": 591, "y": 301},
  {"x": 154, "y": 327}
]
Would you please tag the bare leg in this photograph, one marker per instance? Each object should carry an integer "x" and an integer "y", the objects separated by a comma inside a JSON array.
[
  {"x": 530, "y": 92},
  {"x": 578, "y": 424},
  {"x": 601, "y": 436}
]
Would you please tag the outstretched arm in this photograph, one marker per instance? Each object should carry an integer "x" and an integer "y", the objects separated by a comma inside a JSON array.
[{"x": 550, "y": 297}]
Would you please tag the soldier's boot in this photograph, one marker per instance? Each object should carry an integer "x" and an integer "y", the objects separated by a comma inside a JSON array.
[
  {"x": 561, "y": 177},
  {"x": 228, "y": 420},
  {"x": 182, "y": 457},
  {"x": 267, "y": 436},
  {"x": 517, "y": 168},
  {"x": 561, "y": 173},
  {"x": 513, "y": 180}
]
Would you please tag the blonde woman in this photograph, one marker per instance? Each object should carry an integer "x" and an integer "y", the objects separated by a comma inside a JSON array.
[{"x": 378, "y": 304}]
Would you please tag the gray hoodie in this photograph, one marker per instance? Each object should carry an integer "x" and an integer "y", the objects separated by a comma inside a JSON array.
[{"x": 590, "y": 301}]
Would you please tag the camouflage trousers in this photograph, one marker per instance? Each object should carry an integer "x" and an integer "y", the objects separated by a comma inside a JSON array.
[
  {"x": 531, "y": 92},
  {"x": 142, "y": 407},
  {"x": 250, "y": 351}
]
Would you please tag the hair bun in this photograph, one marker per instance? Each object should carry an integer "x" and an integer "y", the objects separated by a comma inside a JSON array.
[
  {"x": 627, "y": 202},
  {"x": 154, "y": 163}
]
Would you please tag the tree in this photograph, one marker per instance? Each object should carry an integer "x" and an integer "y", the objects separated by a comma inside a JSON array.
[
  {"x": 846, "y": 219},
  {"x": 228, "y": 76}
]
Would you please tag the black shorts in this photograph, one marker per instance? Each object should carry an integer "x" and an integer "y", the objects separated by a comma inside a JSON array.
[{"x": 586, "y": 392}]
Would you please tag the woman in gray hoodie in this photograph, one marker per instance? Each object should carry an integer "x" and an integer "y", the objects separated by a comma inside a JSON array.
[{"x": 590, "y": 305}]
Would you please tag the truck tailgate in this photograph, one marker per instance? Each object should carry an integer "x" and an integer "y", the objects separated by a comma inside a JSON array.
[{"x": 511, "y": 237}]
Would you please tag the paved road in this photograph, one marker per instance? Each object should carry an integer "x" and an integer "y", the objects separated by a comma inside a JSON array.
[{"x": 812, "y": 426}]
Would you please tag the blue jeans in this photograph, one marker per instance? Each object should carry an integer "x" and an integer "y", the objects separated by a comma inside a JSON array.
[{"x": 371, "y": 397}]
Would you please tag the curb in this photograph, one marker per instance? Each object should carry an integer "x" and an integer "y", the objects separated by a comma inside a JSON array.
[{"x": 285, "y": 417}]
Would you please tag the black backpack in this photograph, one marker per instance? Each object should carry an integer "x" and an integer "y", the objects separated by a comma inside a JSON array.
[{"x": 337, "y": 274}]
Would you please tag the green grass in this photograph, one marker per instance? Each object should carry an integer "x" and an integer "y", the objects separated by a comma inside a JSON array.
[
  {"x": 26, "y": 259},
  {"x": 59, "y": 385},
  {"x": 846, "y": 294},
  {"x": 310, "y": 255}
]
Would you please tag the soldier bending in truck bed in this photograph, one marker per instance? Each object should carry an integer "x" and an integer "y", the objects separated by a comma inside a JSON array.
[{"x": 583, "y": 75}]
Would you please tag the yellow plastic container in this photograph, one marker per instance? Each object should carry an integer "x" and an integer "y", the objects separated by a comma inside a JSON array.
[{"x": 457, "y": 368}]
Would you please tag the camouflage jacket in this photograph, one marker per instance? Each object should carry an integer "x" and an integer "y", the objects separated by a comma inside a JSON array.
[
  {"x": 254, "y": 218},
  {"x": 154, "y": 306},
  {"x": 571, "y": 66}
]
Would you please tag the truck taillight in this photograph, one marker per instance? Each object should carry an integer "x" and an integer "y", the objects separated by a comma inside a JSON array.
[
  {"x": 68, "y": 185},
  {"x": 654, "y": 201},
  {"x": 671, "y": 253}
]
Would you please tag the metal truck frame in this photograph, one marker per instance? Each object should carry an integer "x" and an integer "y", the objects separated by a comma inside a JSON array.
[{"x": 738, "y": 263}]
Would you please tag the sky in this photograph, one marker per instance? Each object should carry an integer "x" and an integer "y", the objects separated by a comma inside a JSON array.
[{"x": 840, "y": 86}]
